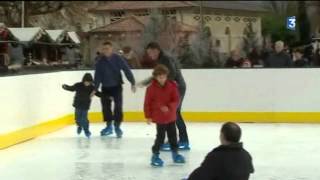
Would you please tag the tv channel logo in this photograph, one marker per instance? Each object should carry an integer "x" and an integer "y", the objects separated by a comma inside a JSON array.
[{"x": 291, "y": 23}]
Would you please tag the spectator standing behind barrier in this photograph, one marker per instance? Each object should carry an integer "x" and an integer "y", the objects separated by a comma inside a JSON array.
[
  {"x": 316, "y": 58},
  {"x": 98, "y": 54},
  {"x": 246, "y": 63},
  {"x": 298, "y": 59},
  {"x": 266, "y": 52},
  {"x": 71, "y": 56},
  {"x": 131, "y": 57},
  {"x": 235, "y": 61},
  {"x": 229, "y": 161},
  {"x": 255, "y": 57},
  {"x": 279, "y": 58}
]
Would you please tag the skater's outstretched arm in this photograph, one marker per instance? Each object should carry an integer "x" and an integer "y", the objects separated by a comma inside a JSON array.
[
  {"x": 145, "y": 82},
  {"x": 127, "y": 71},
  {"x": 69, "y": 88},
  {"x": 98, "y": 75}
]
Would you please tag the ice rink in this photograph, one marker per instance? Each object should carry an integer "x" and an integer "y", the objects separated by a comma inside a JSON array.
[{"x": 279, "y": 151}]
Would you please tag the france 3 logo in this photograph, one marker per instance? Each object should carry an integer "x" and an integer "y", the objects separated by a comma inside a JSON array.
[{"x": 291, "y": 23}]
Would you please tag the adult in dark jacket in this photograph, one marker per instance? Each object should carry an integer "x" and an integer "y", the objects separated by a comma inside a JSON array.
[
  {"x": 229, "y": 161},
  {"x": 235, "y": 61},
  {"x": 298, "y": 59},
  {"x": 255, "y": 57},
  {"x": 131, "y": 58},
  {"x": 278, "y": 59},
  {"x": 82, "y": 101},
  {"x": 155, "y": 53},
  {"x": 108, "y": 73}
]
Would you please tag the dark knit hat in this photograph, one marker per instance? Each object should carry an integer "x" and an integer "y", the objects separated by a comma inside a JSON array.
[
  {"x": 153, "y": 45},
  {"x": 87, "y": 77}
]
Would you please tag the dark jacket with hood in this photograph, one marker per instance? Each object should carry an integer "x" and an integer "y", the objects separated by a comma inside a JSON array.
[
  {"x": 82, "y": 98},
  {"x": 303, "y": 62},
  {"x": 226, "y": 162},
  {"x": 279, "y": 60}
]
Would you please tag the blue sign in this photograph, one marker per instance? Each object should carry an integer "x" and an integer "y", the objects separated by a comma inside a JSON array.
[{"x": 291, "y": 23}]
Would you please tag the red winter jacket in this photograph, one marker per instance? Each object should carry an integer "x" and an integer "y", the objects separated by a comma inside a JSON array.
[{"x": 156, "y": 97}]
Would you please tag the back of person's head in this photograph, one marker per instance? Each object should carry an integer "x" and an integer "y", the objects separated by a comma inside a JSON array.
[
  {"x": 153, "y": 45},
  {"x": 279, "y": 43},
  {"x": 299, "y": 50},
  {"x": 109, "y": 43},
  {"x": 87, "y": 78},
  {"x": 160, "y": 70},
  {"x": 231, "y": 132},
  {"x": 235, "y": 54},
  {"x": 126, "y": 49}
]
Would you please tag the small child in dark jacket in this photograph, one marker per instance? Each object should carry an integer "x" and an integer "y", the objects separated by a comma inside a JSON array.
[
  {"x": 160, "y": 107},
  {"x": 82, "y": 101}
]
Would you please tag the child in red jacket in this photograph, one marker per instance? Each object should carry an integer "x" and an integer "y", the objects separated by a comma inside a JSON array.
[{"x": 160, "y": 107}]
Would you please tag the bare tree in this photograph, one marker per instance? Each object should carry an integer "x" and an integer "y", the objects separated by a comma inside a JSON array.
[{"x": 12, "y": 9}]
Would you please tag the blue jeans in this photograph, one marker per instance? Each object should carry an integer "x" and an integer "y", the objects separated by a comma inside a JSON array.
[{"x": 82, "y": 119}]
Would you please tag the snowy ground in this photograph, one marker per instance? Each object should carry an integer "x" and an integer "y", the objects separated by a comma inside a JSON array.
[{"x": 280, "y": 152}]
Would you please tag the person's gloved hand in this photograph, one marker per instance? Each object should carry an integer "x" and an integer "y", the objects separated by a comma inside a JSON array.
[
  {"x": 134, "y": 88},
  {"x": 140, "y": 84}
]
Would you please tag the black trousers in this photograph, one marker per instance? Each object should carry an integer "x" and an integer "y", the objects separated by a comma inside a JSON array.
[
  {"x": 117, "y": 114},
  {"x": 183, "y": 135},
  {"x": 171, "y": 131}
]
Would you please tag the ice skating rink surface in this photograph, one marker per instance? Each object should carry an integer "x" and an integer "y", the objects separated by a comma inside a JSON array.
[{"x": 279, "y": 151}]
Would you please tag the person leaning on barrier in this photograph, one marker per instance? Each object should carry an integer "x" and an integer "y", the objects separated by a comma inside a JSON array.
[
  {"x": 235, "y": 61},
  {"x": 298, "y": 59},
  {"x": 279, "y": 58},
  {"x": 229, "y": 161}
]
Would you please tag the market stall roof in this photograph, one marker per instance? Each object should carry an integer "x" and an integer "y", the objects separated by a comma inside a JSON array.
[
  {"x": 31, "y": 34},
  {"x": 74, "y": 37},
  {"x": 57, "y": 35}
]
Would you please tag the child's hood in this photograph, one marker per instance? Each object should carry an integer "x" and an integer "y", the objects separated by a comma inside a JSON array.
[{"x": 87, "y": 77}]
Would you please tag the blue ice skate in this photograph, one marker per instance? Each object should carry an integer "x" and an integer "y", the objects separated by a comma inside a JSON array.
[
  {"x": 165, "y": 147},
  {"x": 88, "y": 134},
  {"x": 177, "y": 158},
  {"x": 156, "y": 161},
  {"x": 184, "y": 146},
  {"x": 106, "y": 131},
  {"x": 79, "y": 130},
  {"x": 119, "y": 132}
]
